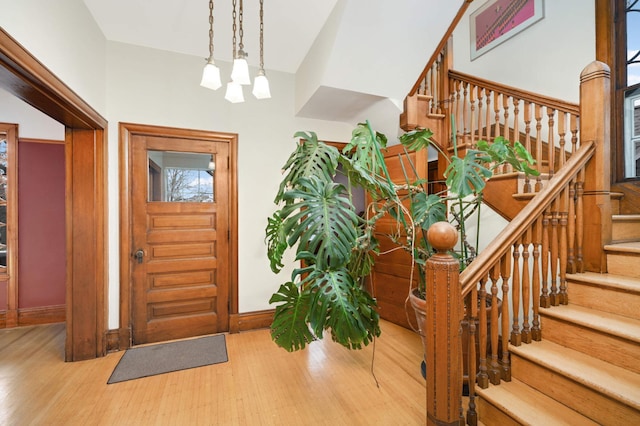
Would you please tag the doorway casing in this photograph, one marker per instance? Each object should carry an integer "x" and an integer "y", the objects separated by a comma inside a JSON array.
[{"x": 22, "y": 75}]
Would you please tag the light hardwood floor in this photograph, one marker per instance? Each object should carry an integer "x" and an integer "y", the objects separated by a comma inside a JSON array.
[{"x": 261, "y": 384}]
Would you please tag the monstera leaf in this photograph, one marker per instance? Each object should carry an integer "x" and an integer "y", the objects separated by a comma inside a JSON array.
[
  {"x": 322, "y": 219},
  {"x": 310, "y": 158},
  {"x": 415, "y": 140},
  {"x": 502, "y": 152},
  {"x": 289, "y": 328},
  {"x": 468, "y": 175},
  {"x": 427, "y": 209},
  {"x": 276, "y": 241},
  {"x": 338, "y": 304}
]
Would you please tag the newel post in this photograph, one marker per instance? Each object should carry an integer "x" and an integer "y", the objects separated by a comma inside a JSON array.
[
  {"x": 442, "y": 330},
  {"x": 595, "y": 112}
]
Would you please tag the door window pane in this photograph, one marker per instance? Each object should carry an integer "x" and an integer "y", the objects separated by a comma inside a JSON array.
[{"x": 181, "y": 177}]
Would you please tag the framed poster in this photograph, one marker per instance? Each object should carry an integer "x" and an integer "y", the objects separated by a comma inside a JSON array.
[{"x": 498, "y": 20}]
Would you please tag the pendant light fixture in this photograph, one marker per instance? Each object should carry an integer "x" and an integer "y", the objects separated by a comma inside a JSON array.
[
  {"x": 211, "y": 73},
  {"x": 234, "y": 89},
  {"x": 261, "y": 84},
  {"x": 240, "y": 70}
]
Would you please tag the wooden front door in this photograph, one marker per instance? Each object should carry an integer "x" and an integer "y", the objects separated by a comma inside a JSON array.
[{"x": 180, "y": 237}]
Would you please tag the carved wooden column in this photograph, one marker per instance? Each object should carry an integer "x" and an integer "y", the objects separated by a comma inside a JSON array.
[
  {"x": 442, "y": 330},
  {"x": 595, "y": 114}
]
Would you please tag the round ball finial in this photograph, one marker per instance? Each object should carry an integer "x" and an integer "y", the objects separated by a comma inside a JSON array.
[{"x": 442, "y": 236}]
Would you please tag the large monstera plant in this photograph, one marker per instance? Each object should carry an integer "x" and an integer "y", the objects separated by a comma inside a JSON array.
[{"x": 335, "y": 246}]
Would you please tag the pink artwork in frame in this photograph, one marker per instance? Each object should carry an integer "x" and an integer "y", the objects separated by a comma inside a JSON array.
[{"x": 498, "y": 20}]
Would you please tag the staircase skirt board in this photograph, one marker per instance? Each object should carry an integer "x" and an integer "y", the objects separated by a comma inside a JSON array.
[
  {"x": 515, "y": 403},
  {"x": 588, "y": 400},
  {"x": 622, "y": 349},
  {"x": 605, "y": 292}
]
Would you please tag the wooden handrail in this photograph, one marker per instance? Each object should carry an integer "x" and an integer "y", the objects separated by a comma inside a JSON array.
[
  {"x": 490, "y": 256},
  {"x": 440, "y": 46},
  {"x": 555, "y": 103}
]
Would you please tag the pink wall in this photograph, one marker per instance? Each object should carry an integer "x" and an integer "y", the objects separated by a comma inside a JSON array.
[{"x": 41, "y": 224}]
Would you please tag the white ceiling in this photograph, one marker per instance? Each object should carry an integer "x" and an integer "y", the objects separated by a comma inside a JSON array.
[{"x": 290, "y": 27}]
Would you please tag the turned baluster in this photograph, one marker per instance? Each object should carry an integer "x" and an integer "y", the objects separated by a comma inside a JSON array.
[
  {"x": 496, "y": 109},
  {"x": 458, "y": 110},
  {"x": 433, "y": 83},
  {"x": 563, "y": 297},
  {"x": 479, "y": 125},
  {"x": 545, "y": 299},
  {"x": 494, "y": 367},
  {"x": 562, "y": 131},
  {"x": 538, "y": 155},
  {"x": 505, "y": 131},
  {"x": 465, "y": 122},
  {"x": 553, "y": 263},
  {"x": 580, "y": 223},
  {"x": 574, "y": 126},
  {"x": 551, "y": 147},
  {"x": 526, "y": 285},
  {"x": 527, "y": 141},
  {"x": 505, "y": 264},
  {"x": 483, "y": 376},
  {"x": 571, "y": 229},
  {"x": 489, "y": 97},
  {"x": 471, "y": 315},
  {"x": 472, "y": 108},
  {"x": 536, "y": 333},
  {"x": 516, "y": 338},
  {"x": 516, "y": 124}
]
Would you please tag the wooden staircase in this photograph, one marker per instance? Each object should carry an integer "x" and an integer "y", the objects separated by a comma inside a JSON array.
[{"x": 586, "y": 369}]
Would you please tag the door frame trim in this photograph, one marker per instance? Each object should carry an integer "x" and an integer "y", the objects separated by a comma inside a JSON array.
[
  {"x": 22, "y": 75},
  {"x": 125, "y": 132}
]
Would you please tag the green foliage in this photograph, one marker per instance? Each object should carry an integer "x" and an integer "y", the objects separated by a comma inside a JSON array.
[{"x": 337, "y": 248}]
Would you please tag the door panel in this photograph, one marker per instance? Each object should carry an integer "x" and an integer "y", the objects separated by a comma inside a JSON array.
[{"x": 180, "y": 285}]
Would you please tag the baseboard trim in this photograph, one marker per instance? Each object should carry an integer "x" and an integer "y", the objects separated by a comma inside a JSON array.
[
  {"x": 42, "y": 315},
  {"x": 120, "y": 339},
  {"x": 250, "y": 321}
]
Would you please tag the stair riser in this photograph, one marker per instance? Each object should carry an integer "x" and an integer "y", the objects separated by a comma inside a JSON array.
[
  {"x": 627, "y": 230},
  {"x": 585, "y": 400},
  {"x": 617, "y": 351},
  {"x": 625, "y": 264},
  {"x": 607, "y": 300},
  {"x": 489, "y": 414}
]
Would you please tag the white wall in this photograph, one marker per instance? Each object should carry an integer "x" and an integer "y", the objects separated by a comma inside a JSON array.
[
  {"x": 161, "y": 88},
  {"x": 31, "y": 123},
  {"x": 64, "y": 37},
  {"x": 545, "y": 58}
]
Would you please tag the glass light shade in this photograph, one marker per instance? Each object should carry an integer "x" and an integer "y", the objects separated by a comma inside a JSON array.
[
  {"x": 234, "y": 93},
  {"x": 211, "y": 76},
  {"x": 240, "y": 70},
  {"x": 212, "y": 164},
  {"x": 261, "y": 86}
]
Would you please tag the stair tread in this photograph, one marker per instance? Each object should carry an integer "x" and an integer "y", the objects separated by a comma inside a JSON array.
[
  {"x": 528, "y": 406},
  {"x": 626, "y": 247},
  {"x": 625, "y": 217},
  {"x": 619, "y": 282},
  {"x": 601, "y": 376},
  {"x": 616, "y": 325}
]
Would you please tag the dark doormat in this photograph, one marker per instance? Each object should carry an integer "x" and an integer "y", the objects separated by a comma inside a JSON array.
[{"x": 150, "y": 360}]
